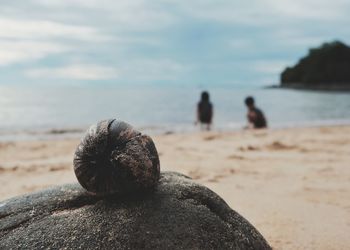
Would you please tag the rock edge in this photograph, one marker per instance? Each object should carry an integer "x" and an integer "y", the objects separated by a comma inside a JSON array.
[{"x": 178, "y": 214}]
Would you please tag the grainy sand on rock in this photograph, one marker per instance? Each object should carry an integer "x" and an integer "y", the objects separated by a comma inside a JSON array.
[{"x": 293, "y": 185}]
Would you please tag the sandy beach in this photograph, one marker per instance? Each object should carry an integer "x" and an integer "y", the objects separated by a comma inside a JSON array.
[{"x": 292, "y": 184}]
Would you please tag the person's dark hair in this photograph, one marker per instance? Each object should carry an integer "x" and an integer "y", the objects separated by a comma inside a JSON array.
[
  {"x": 249, "y": 101},
  {"x": 205, "y": 96}
]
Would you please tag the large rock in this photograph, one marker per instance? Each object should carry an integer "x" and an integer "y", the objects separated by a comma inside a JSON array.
[{"x": 179, "y": 214}]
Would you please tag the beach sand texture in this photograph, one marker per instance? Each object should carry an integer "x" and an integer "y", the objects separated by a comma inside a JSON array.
[{"x": 293, "y": 185}]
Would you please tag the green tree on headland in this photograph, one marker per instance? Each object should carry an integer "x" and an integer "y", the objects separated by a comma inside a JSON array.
[{"x": 327, "y": 67}]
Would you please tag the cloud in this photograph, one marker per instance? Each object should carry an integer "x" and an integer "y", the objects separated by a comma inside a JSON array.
[
  {"x": 135, "y": 71},
  {"x": 42, "y": 29},
  {"x": 241, "y": 43},
  {"x": 27, "y": 51},
  {"x": 29, "y": 40},
  {"x": 265, "y": 12},
  {"x": 153, "y": 69},
  {"x": 269, "y": 67},
  {"x": 310, "y": 10},
  {"x": 133, "y": 15},
  {"x": 77, "y": 72}
]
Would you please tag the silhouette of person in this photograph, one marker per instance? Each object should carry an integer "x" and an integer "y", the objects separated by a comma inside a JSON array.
[
  {"x": 255, "y": 116},
  {"x": 204, "y": 111}
]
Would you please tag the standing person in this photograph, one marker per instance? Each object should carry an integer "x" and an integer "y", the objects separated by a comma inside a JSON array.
[
  {"x": 204, "y": 111},
  {"x": 255, "y": 116}
]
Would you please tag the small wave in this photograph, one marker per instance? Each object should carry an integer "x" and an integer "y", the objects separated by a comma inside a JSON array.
[
  {"x": 41, "y": 134},
  {"x": 65, "y": 131}
]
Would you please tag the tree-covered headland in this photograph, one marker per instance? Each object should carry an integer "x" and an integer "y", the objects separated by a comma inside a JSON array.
[{"x": 325, "y": 67}]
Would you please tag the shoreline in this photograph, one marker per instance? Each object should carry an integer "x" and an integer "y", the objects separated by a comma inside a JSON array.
[
  {"x": 322, "y": 88},
  {"x": 76, "y": 132},
  {"x": 289, "y": 183}
]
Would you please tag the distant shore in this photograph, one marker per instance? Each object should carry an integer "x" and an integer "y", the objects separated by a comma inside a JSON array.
[
  {"x": 289, "y": 183},
  {"x": 321, "y": 87}
]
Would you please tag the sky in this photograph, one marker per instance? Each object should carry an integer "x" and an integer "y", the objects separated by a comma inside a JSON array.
[{"x": 209, "y": 42}]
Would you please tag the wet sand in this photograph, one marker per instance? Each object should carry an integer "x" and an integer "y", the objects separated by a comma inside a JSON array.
[{"x": 293, "y": 185}]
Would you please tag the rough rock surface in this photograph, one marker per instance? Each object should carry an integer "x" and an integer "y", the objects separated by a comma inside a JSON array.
[{"x": 179, "y": 214}]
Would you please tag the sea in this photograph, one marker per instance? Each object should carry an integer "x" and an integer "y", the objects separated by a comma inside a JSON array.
[{"x": 44, "y": 112}]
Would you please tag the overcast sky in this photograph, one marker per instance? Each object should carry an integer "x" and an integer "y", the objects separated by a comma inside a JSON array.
[{"x": 162, "y": 42}]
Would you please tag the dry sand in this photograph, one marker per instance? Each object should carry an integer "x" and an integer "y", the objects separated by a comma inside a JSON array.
[{"x": 293, "y": 185}]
